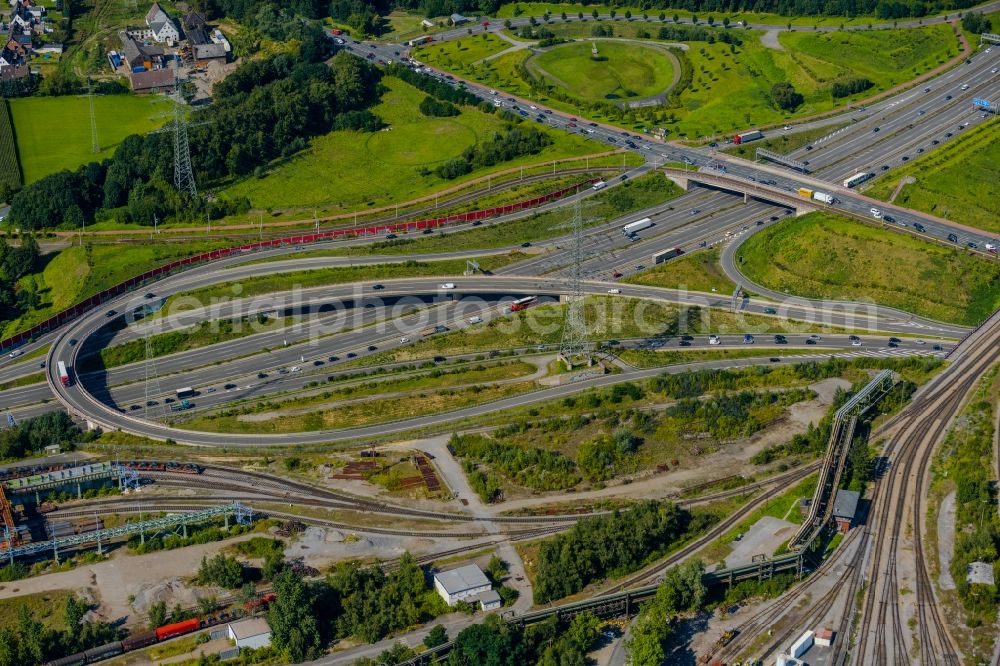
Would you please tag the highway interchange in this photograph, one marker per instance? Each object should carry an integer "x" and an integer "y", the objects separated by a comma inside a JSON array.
[{"x": 334, "y": 321}]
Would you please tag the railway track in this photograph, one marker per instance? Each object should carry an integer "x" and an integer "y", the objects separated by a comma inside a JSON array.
[
  {"x": 168, "y": 505},
  {"x": 652, "y": 573},
  {"x": 925, "y": 422},
  {"x": 933, "y": 409},
  {"x": 765, "y": 620}
]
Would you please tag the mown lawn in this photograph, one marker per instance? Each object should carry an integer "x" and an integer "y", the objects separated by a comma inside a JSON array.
[
  {"x": 461, "y": 52},
  {"x": 825, "y": 256},
  {"x": 959, "y": 181},
  {"x": 624, "y": 70},
  {"x": 349, "y": 170},
  {"x": 697, "y": 271},
  {"x": 53, "y": 133}
]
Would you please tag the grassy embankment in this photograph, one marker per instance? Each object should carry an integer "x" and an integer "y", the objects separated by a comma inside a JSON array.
[
  {"x": 825, "y": 256},
  {"x": 959, "y": 181}
]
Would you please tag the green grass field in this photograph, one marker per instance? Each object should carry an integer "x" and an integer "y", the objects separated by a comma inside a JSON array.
[
  {"x": 825, "y": 256},
  {"x": 53, "y": 133},
  {"x": 461, "y": 52},
  {"x": 10, "y": 173},
  {"x": 730, "y": 86},
  {"x": 349, "y": 170},
  {"x": 624, "y": 70},
  {"x": 698, "y": 271},
  {"x": 77, "y": 272},
  {"x": 959, "y": 181},
  {"x": 826, "y": 55}
]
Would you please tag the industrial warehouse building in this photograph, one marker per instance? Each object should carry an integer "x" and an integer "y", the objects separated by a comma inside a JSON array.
[
  {"x": 467, "y": 583},
  {"x": 251, "y": 633}
]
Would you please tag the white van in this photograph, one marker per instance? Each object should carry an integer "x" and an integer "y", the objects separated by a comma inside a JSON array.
[
  {"x": 475, "y": 320},
  {"x": 714, "y": 340},
  {"x": 448, "y": 285},
  {"x": 16, "y": 353}
]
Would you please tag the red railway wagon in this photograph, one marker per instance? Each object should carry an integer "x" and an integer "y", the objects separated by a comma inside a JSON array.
[
  {"x": 80, "y": 308},
  {"x": 177, "y": 629}
]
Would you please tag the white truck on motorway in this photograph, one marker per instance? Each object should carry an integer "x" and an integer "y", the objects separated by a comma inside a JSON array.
[
  {"x": 600, "y": 185},
  {"x": 632, "y": 228},
  {"x": 824, "y": 197}
]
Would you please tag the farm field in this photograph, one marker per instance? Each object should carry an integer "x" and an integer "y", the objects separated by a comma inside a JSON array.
[
  {"x": 623, "y": 71},
  {"x": 825, "y": 256},
  {"x": 960, "y": 181},
  {"x": 53, "y": 133},
  {"x": 337, "y": 172},
  {"x": 10, "y": 174}
]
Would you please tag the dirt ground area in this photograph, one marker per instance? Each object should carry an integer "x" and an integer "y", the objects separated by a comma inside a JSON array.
[{"x": 732, "y": 459}]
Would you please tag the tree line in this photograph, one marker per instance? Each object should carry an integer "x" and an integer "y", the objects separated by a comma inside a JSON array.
[
  {"x": 354, "y": 600},
  {"x": 33, "y": 434},
  {"x": 28, "y": 642},
  {"x": 733, "y": 415},
  {"x": 267, "y": 110},
  {"x": 511, "y": 142},
  {"x": 15, "y": 263},
  {"x": 607, "y": 546}
]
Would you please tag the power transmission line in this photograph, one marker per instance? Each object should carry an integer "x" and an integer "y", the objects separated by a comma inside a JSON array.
[
  {"x": 95, "y": 145},
  {"x": 183, "y": 173}
]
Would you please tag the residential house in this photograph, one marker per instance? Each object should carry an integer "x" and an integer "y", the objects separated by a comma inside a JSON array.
[
  {"x": 146, "y": 56},
  {"x": 193, "y": 21},
  {"x": 160, "y": 25},
  {"x": 206, "y": 53},
  {"x": 11, "y": 72},
  {"x": 14, "y": 48},
  {"x": 197, "y": 36},
  {"x": 152, "y": 81}
]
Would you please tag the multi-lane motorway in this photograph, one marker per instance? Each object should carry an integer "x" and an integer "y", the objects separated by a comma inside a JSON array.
[{"x": 702, "y": 216}]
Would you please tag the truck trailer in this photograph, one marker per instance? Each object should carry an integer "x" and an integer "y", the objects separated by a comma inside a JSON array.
[
  {"x": 805, "y": 192},
  {"x": 824, "y": 197},
  {"x": 666, "y": 255},
  {"x": 63, "y": 374},
  {"x": 633, "y": 227},
  {"x": 743, "y": 137}
]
